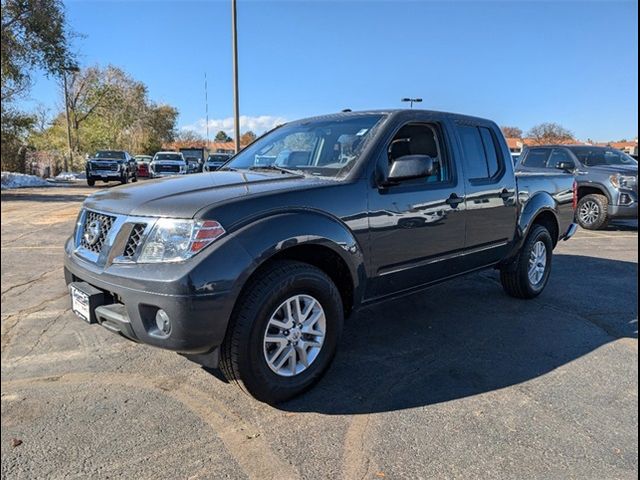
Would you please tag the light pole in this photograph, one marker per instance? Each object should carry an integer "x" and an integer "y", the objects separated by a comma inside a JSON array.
[
  {"x": 69, "y": 158},
  {"x": 411, "y": 101},
  {"x": 236, "y": 105}
]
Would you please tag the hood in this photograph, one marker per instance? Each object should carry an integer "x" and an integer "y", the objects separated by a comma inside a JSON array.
[
  {"x": 183, "y": 196},
  {"x": 611, "y": 169}
]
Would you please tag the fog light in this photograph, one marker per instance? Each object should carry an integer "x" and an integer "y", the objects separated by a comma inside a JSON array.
[{"x": 162, "y": 322}]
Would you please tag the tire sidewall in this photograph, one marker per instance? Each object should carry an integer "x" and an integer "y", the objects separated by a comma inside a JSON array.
[
  {"x": 602, "y": 216},
  {"x": 253, "y": 368},
  {"x": 539, "y": 234}
]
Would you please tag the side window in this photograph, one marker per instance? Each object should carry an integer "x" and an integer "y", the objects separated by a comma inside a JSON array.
[
  {"x": 559, "y": 155},
  {"x": 474, "y": 156},
  {"x": 481, "y": 154},
  {"x": 536, "y": 158},
  {"x": 420, "y": 139},
  {"x": 493, "y": 162}
]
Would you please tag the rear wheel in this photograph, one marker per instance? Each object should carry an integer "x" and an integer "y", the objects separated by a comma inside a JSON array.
[
  {"x": 90, "y": 181},
  {"x": 593, "y": 211},
  {"x": 528, "y": 274},
  {"x": 284, "y": 332},
  {"x": 134, "y": 179}
]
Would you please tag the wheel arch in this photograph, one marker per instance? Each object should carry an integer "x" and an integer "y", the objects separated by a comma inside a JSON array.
[{"x": 310, "y": 237}]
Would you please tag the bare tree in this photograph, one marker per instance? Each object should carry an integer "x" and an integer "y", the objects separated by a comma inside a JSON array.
[
  {"x": 511, "y": 132},
  {"x": 547, "y": 133}
]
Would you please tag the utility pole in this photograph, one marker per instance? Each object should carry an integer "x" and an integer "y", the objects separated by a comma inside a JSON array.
[
  {"x": 236, "y": 104},
  {"x": 69, "y": 158},
  {"x": 206, "y": 106}
]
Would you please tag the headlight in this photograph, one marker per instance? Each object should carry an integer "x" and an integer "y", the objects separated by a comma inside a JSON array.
[
  {"x": 623, "y": 181},
  {"x": 174, "y": 240}
]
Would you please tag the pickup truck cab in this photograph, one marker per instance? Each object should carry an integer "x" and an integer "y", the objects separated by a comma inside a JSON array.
[
  {"x": 607, "y": 179},
  {"x": 254, "y": 267}
]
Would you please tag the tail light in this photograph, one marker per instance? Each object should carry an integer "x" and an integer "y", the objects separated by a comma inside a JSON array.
[{"x": 575, "y": 195}]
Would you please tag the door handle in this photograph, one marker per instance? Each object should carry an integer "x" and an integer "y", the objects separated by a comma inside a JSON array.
[
  {"x": 505, "y": 194},
  {"x": 454, "y": 200}
]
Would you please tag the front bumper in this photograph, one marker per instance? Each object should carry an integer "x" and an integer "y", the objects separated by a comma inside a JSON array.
[
  {"x": 99, "y": 174},
  {"x": 198, "y": 302},
  {"x": 624, "y": 211}
]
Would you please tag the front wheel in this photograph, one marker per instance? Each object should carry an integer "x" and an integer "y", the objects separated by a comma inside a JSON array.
[
  {"x": 284, "y": 332},
  {"x": 593, "y": 212},
  {"x": 528, "y": 274},
  {"x": 90, "y": 181},
  {"x": 125, "y": 178}
]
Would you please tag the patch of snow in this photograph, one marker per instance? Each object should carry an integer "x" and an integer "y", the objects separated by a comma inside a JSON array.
[
  {"x": 10, "y": 180},
  {"x": 71, "y": 176}
]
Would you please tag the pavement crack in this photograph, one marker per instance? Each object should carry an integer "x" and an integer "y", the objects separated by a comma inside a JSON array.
[{"x": 29, "y": 282}]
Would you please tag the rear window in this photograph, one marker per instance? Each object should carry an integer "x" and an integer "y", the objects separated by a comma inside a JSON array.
[
  {"x": 536, "y": 158},
  {"x": 481, "y": 157}
]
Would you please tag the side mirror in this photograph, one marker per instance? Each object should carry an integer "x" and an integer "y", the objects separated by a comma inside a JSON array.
[
  {"x": 409, "y": 167},
  {"x": 566, "y": 166}
]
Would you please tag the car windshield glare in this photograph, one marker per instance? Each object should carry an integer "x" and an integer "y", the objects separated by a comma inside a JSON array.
[
  {"x": 168, "y": 156},
  {"x": 593, "y": 157},
  {"x": 109, "y": 155},
  {"x": 324, "y": 147}
]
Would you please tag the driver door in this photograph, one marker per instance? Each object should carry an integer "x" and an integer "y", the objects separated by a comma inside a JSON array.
[{"x": 417, "y": 227}]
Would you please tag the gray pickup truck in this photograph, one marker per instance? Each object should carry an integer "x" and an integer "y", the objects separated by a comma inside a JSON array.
[
  {"x": 254, "y": 267},
  {"x": 607, "y": 179}
]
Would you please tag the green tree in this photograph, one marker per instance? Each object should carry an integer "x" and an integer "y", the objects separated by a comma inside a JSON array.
[
  {"x": 34, "y": 36},
  {"x": 222, "y": 136}
]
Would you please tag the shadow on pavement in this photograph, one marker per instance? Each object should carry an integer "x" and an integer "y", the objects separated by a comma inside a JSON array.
[
  {"x": 466, "y": 337},
  {"x": 622, "y": 226}
]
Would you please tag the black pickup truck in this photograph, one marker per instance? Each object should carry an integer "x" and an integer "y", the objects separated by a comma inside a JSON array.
[{"x": 254, "y": 267}]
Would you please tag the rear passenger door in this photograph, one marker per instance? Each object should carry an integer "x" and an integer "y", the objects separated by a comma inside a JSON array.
[{"x": 490, "y": 197}]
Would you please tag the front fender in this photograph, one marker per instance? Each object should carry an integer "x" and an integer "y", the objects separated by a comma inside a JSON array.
[{"x": 268, "y": 236}]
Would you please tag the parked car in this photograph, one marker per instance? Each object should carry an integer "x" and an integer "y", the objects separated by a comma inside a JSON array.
[
  {"x": 166, "y": 164},
  {"x": 109, "y": 165},
  {"x": 195, "y": 157},
  {"x": 142, "y": 163},
  {"x": 253, "y": 268},
  {"x": 215, "y": 161},
  {"x": 607, "y": 179}
]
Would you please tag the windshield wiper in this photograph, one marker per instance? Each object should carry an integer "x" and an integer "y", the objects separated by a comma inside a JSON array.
[{"x": 276, "y": 168}]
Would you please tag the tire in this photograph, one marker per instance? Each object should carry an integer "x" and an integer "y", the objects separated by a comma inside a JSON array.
[
  {"x": 243, "y": 356},
  {"x": 515, "y": 277},
  {"x": 124, "y": 179},
  {"x": 134, "y": 179},
  {"x": 593, "y": 212},
  {"x": 91, "y": 182}
]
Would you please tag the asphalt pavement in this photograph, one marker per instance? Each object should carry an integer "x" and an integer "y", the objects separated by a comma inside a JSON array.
[{"x": 459, "y": 381}]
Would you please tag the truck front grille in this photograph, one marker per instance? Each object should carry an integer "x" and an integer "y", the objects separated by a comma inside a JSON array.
[
  {"x": 135, "y": 237},
  {"x": 167, "y": 168},
  {"x": 95, "y": 229}
]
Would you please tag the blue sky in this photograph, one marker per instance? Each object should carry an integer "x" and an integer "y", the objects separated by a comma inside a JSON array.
[{"x": 519, "y": 63}]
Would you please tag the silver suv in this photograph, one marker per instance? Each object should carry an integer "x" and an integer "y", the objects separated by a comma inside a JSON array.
[{"x": 607, "y": 179}]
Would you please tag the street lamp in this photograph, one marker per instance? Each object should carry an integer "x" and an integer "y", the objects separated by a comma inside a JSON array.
[
  {"x": 236, "y": 105},
  {"x": 65, "y": 69},
  {"x": 411, "y": 101}
]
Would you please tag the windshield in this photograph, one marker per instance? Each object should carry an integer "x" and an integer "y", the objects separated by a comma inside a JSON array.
[
  {"x": 168, "y": 156},
  {"x": 108, "y": 154},
  {"x": 324, "y": 147},
  {"x": 218, "y": 158},
  {"x": 602, "y": 156}
]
